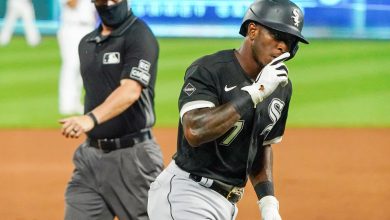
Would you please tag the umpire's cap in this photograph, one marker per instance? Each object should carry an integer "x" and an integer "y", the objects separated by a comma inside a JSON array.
[{"x": 280, "y": 15}]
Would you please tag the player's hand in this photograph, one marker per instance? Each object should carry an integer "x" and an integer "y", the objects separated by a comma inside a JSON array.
[
  {"x": 73, "y": 127},
  {"x": 271, "y": 76},
  {"x": 269, "y": 208}
]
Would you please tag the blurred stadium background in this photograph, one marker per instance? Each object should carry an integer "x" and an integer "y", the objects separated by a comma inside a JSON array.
[{"x": 341, "y": 79}]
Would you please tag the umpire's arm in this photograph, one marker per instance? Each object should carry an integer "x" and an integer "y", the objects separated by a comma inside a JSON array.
[{"x": 118, "y": 101}]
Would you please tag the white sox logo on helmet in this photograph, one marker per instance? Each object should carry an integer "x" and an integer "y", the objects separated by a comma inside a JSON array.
[{"x": 296, "y": 17}]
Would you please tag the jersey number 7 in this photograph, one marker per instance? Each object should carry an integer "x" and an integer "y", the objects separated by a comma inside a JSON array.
[{"x": 237, "y": 128}]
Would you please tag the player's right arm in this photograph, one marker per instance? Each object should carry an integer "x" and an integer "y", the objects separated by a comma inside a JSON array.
[
  {"x": 203, "y": 117},
  {"x": 207, "y": 124}
]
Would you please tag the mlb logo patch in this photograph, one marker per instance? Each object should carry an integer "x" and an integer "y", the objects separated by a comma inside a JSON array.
[{"x": 112, "y": 58}]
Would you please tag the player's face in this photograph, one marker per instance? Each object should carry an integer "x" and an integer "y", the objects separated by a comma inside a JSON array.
[{"x": 268, "y": 44}]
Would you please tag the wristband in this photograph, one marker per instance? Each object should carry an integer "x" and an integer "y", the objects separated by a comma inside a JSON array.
[
  {"x": 93, "y": 117},
  {"x": 263, "y": 189},
  {"x": 243, "y": 103}
]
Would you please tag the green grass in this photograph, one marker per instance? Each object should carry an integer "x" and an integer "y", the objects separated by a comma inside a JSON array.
[
  {"x": 342, "y": 84},
  {"x": 337, "y": 83}
]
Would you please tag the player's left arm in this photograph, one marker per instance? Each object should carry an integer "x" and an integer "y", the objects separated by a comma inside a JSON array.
[
  {"x": 261, "y": 175},
  {"x": 262, "y": 181}
]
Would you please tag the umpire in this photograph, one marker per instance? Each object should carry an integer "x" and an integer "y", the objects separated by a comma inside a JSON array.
[{"x": 120, "y": 158}]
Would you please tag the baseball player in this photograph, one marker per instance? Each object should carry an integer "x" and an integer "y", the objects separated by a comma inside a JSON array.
[
  {"x": 233, "y": 107},
  {"x": 23, "y": 9},
  {"x": 120, "y": 158},
  {"x": 77, "y": 19}
]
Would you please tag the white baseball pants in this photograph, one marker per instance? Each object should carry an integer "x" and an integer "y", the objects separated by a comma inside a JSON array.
[
  {"x": 174, "y": 196},
  {"x": 20, "y": 9}
]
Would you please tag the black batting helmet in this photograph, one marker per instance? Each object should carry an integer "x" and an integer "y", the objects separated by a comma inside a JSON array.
[{"x": 279, "y": 15}]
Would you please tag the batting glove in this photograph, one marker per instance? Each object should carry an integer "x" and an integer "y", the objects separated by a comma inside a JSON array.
[
  {"x": 268, "y": 80},
  {"x": 269, "y": 208}
]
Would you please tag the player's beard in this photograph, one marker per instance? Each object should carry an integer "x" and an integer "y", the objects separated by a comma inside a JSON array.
[{"x": 113, "y": 15}]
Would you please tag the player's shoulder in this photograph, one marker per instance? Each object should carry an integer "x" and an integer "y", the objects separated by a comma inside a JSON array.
[
  {"x": 218, "y": 58},
  {"x": 212, "y": 63}
]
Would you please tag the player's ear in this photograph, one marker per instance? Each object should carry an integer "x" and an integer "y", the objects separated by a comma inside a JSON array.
[{"x": 252, "y": 29}]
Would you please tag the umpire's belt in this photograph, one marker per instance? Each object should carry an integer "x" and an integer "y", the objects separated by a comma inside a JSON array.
[
  {"x": 232, "y": 193},
  {"x": 126, "y": 141}
]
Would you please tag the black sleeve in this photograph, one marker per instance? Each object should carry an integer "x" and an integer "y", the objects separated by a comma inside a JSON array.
[
  {"x": 140, "y": 61},
  {"x": 198, "y": 91},
  {"x": 277, "y": 131}
]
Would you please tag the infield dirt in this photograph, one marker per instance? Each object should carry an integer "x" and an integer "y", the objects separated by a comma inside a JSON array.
[{"x": 319, "y": 174}]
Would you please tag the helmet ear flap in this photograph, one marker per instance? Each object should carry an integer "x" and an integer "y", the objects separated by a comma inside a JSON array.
[
  {"x": 293, "y": 50},
  {"x": 244, "y": 28}
]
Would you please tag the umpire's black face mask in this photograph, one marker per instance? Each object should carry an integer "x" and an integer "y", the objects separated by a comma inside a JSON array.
[{"x": 113, "y": 15}]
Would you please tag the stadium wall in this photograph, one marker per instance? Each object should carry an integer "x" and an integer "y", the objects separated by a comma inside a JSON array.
[{"x": 359, "y": 19}]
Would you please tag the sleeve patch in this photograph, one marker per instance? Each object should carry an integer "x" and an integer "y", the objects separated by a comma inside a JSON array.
[
  {"x": 144, "y": 65},
  {"x": 140, "y": 75},
  {"x": 189, "y": 89}
]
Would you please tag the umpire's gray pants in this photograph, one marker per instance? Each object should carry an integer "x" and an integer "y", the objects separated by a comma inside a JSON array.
[{"x": 111, "y": 184}]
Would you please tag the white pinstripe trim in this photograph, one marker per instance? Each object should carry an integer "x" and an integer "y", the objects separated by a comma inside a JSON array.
[
  {"x": 273, "y": 141},
  {"x": 195, "y": 105}
]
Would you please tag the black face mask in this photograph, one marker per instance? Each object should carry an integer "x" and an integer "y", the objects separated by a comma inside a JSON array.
[{"x": 113, "y": 15}]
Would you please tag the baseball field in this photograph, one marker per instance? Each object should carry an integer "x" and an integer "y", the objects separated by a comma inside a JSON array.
[{"x": 332, "y": 164}]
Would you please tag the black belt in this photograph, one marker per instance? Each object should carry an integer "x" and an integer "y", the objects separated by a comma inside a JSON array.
[
  {"x": 232, "y": 193},
  {"x": 126, "y": 141}
]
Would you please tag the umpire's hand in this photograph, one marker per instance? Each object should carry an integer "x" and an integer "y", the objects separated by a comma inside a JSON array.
[{"x": 73, "y": 127}]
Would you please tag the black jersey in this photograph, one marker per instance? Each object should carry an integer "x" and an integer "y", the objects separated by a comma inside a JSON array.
[
  {"x": 130, "y": 51},
  {"x": 212, "y": 81}
]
